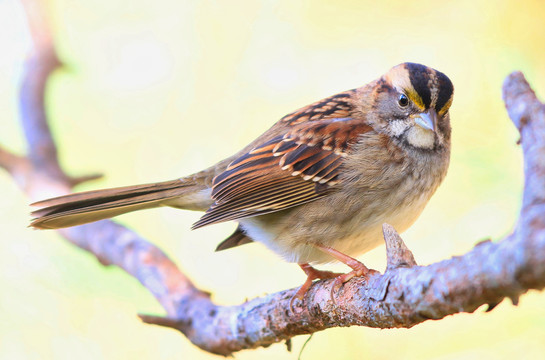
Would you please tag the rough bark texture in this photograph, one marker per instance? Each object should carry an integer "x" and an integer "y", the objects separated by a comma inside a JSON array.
[{"x": 405, "y": 295}]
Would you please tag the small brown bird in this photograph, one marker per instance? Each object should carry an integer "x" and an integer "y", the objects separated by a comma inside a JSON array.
[{"x": 316, "y": 186}]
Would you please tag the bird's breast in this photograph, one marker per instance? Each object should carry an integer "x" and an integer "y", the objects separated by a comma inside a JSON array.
[{"x": 349, "y": 219}]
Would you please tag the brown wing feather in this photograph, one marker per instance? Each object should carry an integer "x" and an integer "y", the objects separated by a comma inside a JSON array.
[
  {"x": 284, "y": 171},
  {"x": 336, "y": 106}
]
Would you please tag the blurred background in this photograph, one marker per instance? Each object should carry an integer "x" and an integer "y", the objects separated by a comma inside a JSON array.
[{"x": 153, "y": 90}]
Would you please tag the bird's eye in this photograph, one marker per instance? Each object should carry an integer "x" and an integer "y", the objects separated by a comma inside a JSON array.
[{"x": 403, "y": 100}]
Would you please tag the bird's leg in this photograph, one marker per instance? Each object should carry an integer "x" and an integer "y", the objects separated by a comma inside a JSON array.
[
  {"x": 358, "y": 269},
  {"x": 312, "y": 274}
]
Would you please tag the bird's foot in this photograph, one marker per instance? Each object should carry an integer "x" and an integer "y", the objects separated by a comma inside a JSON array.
[
  {"x": 312, "y": 274},
  {"x": 358, "y": 269}
]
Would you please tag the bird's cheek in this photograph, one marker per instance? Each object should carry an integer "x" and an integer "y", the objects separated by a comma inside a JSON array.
[{"x": 397, "y": 127}]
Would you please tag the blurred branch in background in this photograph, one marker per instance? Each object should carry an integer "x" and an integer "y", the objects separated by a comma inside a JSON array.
[
  {"x": 403, "y": 296},
  {"x": 43, "y": 60}
]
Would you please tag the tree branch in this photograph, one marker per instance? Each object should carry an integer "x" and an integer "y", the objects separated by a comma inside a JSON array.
[
  {"x": 405, "y": 295},
  {"x": 42, "y": 62}
]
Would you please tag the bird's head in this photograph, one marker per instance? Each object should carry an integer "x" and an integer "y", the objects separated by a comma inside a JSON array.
[{"x": 411, "y": 103}]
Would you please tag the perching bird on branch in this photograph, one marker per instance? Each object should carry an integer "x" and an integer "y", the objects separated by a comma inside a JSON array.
[{"x": 316, "y": 186}]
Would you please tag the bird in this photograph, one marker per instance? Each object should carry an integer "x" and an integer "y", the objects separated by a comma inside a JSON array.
[{"x": 315, "y": 187}]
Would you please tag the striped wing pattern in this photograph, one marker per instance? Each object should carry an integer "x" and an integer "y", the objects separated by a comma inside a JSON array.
[{"x": 286, "y": 171}]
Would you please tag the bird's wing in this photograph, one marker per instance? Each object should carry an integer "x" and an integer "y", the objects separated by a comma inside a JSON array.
[{"x": 295, "y": 167}]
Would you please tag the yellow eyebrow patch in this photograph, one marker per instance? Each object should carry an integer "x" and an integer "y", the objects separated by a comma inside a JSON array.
[
  {"x": 415, "y": 98},
  {"x": 445, "y": 107}
]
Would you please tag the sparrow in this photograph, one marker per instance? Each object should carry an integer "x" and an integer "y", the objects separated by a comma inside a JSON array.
[{"x": 318, "y": 185}]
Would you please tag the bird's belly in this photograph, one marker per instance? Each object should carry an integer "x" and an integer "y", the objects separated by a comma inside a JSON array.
[{"x": 352, "y": 232}]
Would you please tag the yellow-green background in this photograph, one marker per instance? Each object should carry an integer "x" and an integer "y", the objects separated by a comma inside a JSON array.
[{"x": 154, "y": 90}]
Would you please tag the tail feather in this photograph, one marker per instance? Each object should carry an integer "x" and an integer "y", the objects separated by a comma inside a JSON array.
[
  {"x": 96, "y": 195},
  {"x": 89, "y": 206}
]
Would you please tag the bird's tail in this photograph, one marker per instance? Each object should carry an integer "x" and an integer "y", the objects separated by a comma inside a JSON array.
[{"x": 85, "y": 207}]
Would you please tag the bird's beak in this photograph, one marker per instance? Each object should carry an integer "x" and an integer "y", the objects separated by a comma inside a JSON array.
[{"x": 427, "y": 120}]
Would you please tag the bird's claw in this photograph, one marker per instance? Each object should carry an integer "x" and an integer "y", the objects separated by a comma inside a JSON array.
[
  {"x": 360, "y": 271},
  {"x": 312, "y": 274}
]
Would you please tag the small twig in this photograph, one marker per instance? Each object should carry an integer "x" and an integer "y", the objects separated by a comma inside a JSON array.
[
  {"x": 304, "y": 346},
  {"x": 10, "y": 162},
  {"x": 397, "y": 253}
]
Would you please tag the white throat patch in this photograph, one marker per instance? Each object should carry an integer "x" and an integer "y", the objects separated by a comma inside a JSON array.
[{"x": 421, "y": 138}]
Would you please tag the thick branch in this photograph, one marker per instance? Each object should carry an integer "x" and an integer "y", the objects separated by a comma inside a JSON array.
[{"x": 403, "y": 296}]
